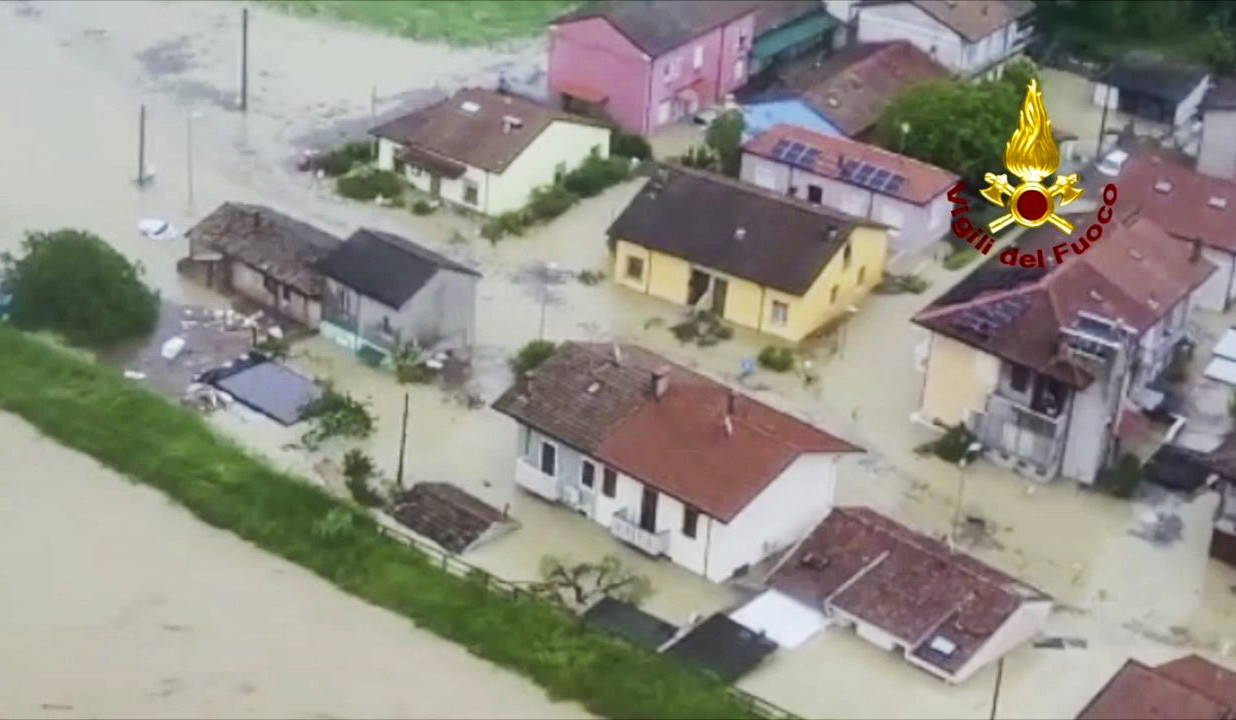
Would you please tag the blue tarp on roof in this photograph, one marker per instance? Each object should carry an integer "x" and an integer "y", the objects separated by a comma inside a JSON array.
[{"x": 760, "y": 115}]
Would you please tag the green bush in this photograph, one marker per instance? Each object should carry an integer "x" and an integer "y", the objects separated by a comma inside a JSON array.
[
  {"x": 422, "y": 207},
  {"x": 138, "y": 434},
  {"x": 549, "y": 202},
  {"x": 73, "y": 283},
  {"x": 336, "y": 414},
  {"x": 699, "y": 156},
  {"x": 367, "y": 184},
  {"x": 341, "y": 160},
  {"x": 410, "y": 366},
  {"x": 596, "y": 174},
  {"x": 628, "y": 145},
  {"x": 724, "y": 137},
  {"x": 512, "y": 222},
  {"x": 777, "y": 359},
  {"x": 531, "y": 355},
  {"x": 951, "y": 447},
  {"x": 358, "y": 469},
  {"x": 1123, "y": 478}
]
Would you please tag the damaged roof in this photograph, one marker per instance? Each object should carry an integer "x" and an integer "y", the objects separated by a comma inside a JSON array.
[
  {"x": 1135, "y": 274},
  {"x": 445, "y": 514},
  {"x": 269, "y": 241},
  {"x": 734, "y": 227},
  {"x": 483, "y": 128},
  {"x": 944, "y": 606},
  {"x": 601, "y": 402}
]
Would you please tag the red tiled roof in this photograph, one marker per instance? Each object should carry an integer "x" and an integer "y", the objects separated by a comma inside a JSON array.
[
  {"x": 1135, "y": 274},
  {"x": 853, "y": 87},
  {"x": 923, "y": 182},
  {"x": 1190, "y": 688},
  {"x": 1185, "y": 210},
  {"x": 907, "y": 584},
  {"x": 677, "y": 443}
]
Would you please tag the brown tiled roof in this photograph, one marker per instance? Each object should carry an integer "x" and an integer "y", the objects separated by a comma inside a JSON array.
[
  {"x": 696, "y": 216},
  {"x": 923, "y": 182},
  {"x": 677, "y": 443},
  {"x": 905, "y": 583},
  {"x": 1185, "y": 210},
  {"x": 657, "y": 26},
  {"x": 1135, "y": 274},
  {"x": 1190, "y": 688},
  {"x": 853, "y": 87},
  {"x": 277, "y": 245},
  {"x": 445, "y": 514},
  {"x": 973, "y": 19},
  {"x": 452, "y": 130}
]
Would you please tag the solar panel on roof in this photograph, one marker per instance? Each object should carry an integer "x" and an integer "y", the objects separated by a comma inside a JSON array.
[
  {"x": 880, "y": 178},
  {"x": 863, "y": 174},
  {"x": 810, "y": 157},
  {"x": 794, "y": 152},
  {"x": 894, "y": 184},
  {"x": 779, "y": 149}
]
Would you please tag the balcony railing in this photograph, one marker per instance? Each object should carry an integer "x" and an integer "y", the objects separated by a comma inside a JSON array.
[
  {"x": 530, "y": 478},
  {"x": 1014, "y": 430},
  {"x": 631, "y": 533}
]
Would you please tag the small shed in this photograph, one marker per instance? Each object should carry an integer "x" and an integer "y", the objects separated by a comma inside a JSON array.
[
  {"x": 450, "y": 517},
  {"x": 724, "y": 647},
  {"x": 1153, "y": 89},
  {"x": 627, "y": 621}
]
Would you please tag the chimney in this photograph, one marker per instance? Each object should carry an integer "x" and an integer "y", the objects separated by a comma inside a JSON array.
[
  {"x": 1197, "y": 250},
  {"x": 740, "y": 233},
  {"x": 660, "y": 381},
  {"x": 526, "y": 381},
  {"x": 830, "y": 232}
]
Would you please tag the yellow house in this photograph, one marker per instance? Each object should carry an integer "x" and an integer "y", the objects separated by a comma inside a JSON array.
[
  {"x": 487, "y": 150},
  {"x": 753, "y": 257}
]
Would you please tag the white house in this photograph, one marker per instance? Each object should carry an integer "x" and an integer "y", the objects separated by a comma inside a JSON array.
[
  {"x": 972, "y": 38},
  {"x": 908, "y": 196},
  {"x": 673, "y": 463},
  {"x": 902, "y": 591},
  {"x": 487, "y": 150}
]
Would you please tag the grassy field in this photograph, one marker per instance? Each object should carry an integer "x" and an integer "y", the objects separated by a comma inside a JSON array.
[
  {"x": 476, "y": 22},
  {"x": 92, "y": 409}
]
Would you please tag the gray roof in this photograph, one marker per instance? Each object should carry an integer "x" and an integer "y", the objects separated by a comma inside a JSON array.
[
  {"x": 1162, "y": 79},
  {"x": 386, "y": 267},
  {"x": 657, "y": 26},
  {"x": 1222, "y": 95},
  {"x": 699, "y": 217}
]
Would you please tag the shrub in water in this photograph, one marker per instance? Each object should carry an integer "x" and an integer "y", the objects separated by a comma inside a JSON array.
[
  {"x": 1123, "y": 479},
  {"x": 951, "y": 447},
  {"x": 550, "y": 201},
  {"x": 342, "y": 159},
  {"x": 628, "y": 145},
  {"x": 531, "y": 355},
  {"x": 777, "y": 359},
  {"x": 367, "y": 184},
  {"x": 596, "y": 174},
  {"x": 358, "y": 468},
  {"x": 422, "y": 207}
]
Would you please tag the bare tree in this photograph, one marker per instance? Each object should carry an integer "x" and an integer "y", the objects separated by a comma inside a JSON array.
[{"x": 578, "y": 585}]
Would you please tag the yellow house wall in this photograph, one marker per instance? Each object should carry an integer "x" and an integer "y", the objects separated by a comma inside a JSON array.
[
  {"x": 564, "y": 142},
  {"x": 749, "y": 304},
  {"x": 959, "y": 379}
]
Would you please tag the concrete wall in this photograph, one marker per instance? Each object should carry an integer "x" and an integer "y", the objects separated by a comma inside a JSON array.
[
  {"x": 1213, "y": 293},
  {"x": 917, "y": 226},
  {"x": 565, "y": 144},
  {"x": 1217, "y": 156},
  {"x": 1088, "y": 434},
  {"x": 285, "y": 300},
  {"x": 778, "y": 517},
  {"x": 592, "y": 53},
  {"x": 958, "y": 381}
]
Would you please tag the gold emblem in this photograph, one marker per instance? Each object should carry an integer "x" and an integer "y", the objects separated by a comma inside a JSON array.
[{"x": 1031, "y": 155}]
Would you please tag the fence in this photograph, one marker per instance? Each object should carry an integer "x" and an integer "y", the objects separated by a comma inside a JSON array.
[{"x": 453, "y": 565}]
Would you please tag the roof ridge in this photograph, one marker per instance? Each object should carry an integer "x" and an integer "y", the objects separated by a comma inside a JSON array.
[{"x": 981, "y": 299}]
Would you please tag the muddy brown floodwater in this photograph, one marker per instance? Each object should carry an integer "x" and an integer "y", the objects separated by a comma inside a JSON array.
[{"x": 103, "y": 616}]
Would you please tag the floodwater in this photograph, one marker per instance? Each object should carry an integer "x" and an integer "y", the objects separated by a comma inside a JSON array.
[
  {"x": 75, "y": 75},
  {"x": 105, "y": 616}
]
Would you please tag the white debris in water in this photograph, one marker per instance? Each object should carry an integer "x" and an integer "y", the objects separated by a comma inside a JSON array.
[{"x": 172, "y": 348}]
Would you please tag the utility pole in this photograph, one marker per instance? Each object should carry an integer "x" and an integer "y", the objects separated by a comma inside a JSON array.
[
  {"x": 141, "y": 147},
  {"x": 403, "y": 443},
  {"x": 546, "y": 269},
  {"x": 244, "y": 60},
  {"x": 972, "y": 450},
  {"x": 1107, "y": 98},
  {"x": 189, "y": 154},
  {"x": 995, "y": 693},
  {"x": 373, "y": 115}
]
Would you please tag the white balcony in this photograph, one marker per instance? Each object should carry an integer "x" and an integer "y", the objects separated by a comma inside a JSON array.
[
  {"x": 530, "y": 478},
  {"x": 631, "y": 533}
]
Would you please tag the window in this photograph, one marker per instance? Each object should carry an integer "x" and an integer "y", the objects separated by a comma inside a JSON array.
[
  {"x": 698, "y": 61},
  {"x": 846, "y": 256},
  {"x": 1019, "y": 378},
  {"x": 673, "y": 68},
  {"x": 780, "y": 313},
  {"x": 815, "y": 194},
  {"x": 635, "y": 268},
  {"x": 549, "y": 458},
  {"x": 469, "y": 192},
  {"x": 742, "y": 41},
  {"x": 832, "y": 294},
  {"x": 559, "y": 171},
  {"x": 690, "y": 521},
  {"x": 740, "y": 69},
  {"x": 587, "y": 473},
  {"x": 609, "y": 482},
  {"x": 862, "y": 273},
  {"x": 271, "y": 286},
  {"x": 386, "y": 325},
  {"x": 287, "y": 293}
]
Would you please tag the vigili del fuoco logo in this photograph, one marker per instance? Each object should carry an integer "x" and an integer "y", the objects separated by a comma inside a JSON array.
[{"x": 1031, "y": 156}]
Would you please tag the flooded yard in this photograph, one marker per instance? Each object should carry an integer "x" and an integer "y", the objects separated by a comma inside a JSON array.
[{"x": 75, "y": 76}]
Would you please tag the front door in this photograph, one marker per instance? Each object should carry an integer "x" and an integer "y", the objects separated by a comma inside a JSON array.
[
  {"x": 588, "y": 478},
  {"x": 719, "y": 289},
  {"x": 648, "y": 510},
  {"x": 697, "y": 286},
  {"x": 435, "y": 185}
]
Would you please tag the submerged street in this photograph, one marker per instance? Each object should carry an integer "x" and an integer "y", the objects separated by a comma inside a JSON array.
[{"x": 74, "y": 79}]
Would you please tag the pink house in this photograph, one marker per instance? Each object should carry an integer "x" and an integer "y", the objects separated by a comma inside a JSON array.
[{"x": 648, "y": 63}]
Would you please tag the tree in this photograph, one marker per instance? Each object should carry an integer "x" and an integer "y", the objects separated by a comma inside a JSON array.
[
  {"x": 73, "y": 283},
  {"x": 724, "y": 136},
  {"x": 578, "y": 585},
  {"x": 1019, "y": 73},
  {"x": 1217, "y": 48},
  {"x": 531, "y": 355},
  {"x": 954, "y": 124}
]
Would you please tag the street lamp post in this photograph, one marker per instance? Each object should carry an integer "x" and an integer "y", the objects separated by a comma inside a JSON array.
[
  {"x": 851, "y": 311},
  {"x": 546, "y": 270},
  {"x": 971, "y": 452}
]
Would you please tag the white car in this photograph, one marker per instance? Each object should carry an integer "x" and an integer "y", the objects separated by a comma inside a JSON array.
[{"x": 154, "y": 229}]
